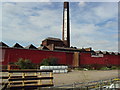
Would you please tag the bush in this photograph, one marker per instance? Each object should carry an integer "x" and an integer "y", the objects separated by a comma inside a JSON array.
[
  {"x": 89, "y": 67},
  {"x": 52, "y": 61},
  {"x": 104, "y": 68},
  {"x": 25, "y": 64},
  {"x": 45, "y": 62},
  {"x": 114, "y": 67}
]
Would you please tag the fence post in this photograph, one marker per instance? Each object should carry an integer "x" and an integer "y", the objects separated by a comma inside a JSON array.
[
  {"x": 40, "y": 82},
  {"x": 74, "y": 85},
  {"x": 23, "y": 76},
  {"x": 51, "y": 75},
  {"x": 9, "y": 76}
]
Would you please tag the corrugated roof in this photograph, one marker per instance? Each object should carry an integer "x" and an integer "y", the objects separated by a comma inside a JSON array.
[
  {"x": 105, "y": 52},
  {"x": 30, "y": 47},
  {"x": 111, "y": 52},
  {"x": 116, "y": 53},
  {"x": 99, "y": 52},
  {"x": 17, "y": 46},
  {"x": 3, "y": 44}
]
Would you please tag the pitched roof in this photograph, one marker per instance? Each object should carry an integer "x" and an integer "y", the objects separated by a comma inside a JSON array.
[
  {"x": 66, "y": 49},
  {"x": 105, "y": 52},
  {"x": 3, "y": 44},
  {"x": 30, "y": 47},
  {"x": 99, "y": 52},
  {"x": 43, "y": 47},
  {"x": 17, "y": 46},
  {"x": 55, "y": 39},
  {"x": 116, "y": 53},
  {"x": 111, "y": 52}
]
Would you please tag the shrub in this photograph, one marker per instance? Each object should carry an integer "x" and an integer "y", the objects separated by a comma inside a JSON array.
[
  {"x": 104, "y": 68},
  {"x": 52, "y": 61},
  {"x": 89, "y": 67},
  {"x": 25, "y": 64},
  {"x": 114, "y": 67},
  {"x": 45, "y": 62}
]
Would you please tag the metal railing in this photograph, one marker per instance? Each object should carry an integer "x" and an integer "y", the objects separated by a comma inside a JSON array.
[{"x": 91, "y": 84}]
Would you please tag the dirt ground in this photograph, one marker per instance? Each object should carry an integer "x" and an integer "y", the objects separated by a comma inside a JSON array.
[
  {"x": 83, "y": 76},
  {"x": 77, "y": 76}
]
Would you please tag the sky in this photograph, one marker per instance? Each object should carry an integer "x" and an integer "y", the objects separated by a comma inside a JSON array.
[{"x": 92, "y": 24}]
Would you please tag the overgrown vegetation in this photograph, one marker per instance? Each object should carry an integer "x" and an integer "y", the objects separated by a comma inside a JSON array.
[
  {"x": 51, "y": 61},
  {"x": 25, "y": 64},
  {"x": 97, "y": 67},
  {"x": 105, "y": 68}
]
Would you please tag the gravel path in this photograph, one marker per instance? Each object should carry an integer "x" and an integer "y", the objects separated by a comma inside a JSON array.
[{"x": 83, "y": 76}]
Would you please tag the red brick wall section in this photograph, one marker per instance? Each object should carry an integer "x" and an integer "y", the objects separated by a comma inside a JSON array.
[
  {"x": 36, "y": 56},
  {"x": 85, "y": 58},
  {"x": 69, "y": 58}
]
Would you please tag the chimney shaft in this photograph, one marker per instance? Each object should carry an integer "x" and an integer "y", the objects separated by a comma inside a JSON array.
[{"x": 66, "y": 25}]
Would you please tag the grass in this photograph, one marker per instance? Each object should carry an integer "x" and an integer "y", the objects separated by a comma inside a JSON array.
[{"x": 100, "y": 68}]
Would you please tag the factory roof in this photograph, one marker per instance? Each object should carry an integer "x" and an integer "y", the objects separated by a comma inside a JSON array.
[
  {"x": 17, "y": 46},
  {"x": 30, "y": 47},
  {"x": 3, "y": 44},
  {"x": 55, "y": 39},
  {"x": 100, "y": 52},
  {"x": 105, "y": 52},
  {"x": 56, "y": 48},
  {"x": 111, "y": 53}
]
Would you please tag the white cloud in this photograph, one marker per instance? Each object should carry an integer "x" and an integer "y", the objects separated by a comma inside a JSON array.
[
  {"x": 60, "y": 0},
  {"x": 98, "y": 13},
  {"x": 111, "y": 24},
  {"x": 1, "y": 21},
  {"x": 33, "y": 22},
  {"x": 45, "y": 18},
  {"x": 25, "y": 0},
  {"x": 106, "y": 11},
  {"x": 95, "y": 25},
  {"x": 22, "y": 23},
  {"x": 82, "y": 4}
]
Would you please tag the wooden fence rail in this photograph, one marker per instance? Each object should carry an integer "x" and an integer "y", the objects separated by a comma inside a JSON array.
[{"x": 28, "y": 78}]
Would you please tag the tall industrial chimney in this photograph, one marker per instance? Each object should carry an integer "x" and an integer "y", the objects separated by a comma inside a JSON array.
[{"x": 66, "y": 25}]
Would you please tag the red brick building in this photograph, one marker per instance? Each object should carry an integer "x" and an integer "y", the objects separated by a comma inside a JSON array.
[{"x": 70, "y": 57}]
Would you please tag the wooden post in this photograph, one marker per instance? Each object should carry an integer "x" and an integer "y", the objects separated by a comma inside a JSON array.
[
  {"x": 51, "y": 75},
  {"x": 35, "y": 73},
  {"x": 23, "y": 76},
  {"x": 8, "y": 67},
  {"x": 9, "y": 75},
  {"x": 39, "y": 81}
]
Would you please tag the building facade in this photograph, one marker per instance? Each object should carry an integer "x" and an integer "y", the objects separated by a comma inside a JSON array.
[{"x": 70, "y": 58}]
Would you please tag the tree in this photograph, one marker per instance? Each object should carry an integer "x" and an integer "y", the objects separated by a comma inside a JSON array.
[
  {"x": 52, "y": 61},
  {"x": 25, "y": 64}
]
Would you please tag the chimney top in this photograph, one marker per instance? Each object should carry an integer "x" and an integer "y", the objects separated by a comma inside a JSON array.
[{"x": 66, "y": 4}]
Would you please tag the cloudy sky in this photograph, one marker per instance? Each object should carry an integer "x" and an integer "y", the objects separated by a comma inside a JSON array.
[{"x": 93, "y": 24}]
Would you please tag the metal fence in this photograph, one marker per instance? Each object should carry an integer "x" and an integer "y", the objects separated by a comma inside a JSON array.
[{"x": 93, "y": 84}]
